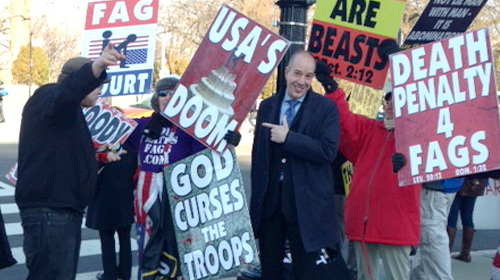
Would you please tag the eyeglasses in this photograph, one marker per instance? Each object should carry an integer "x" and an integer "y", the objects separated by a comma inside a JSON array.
[{"x": 163, "y": 93}]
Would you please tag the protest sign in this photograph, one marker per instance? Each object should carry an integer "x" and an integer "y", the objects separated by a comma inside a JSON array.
[
  {"x": 446, "y": 109},
  {"x": 365, "y": 101},
  {"x": 210, "y": 215},
  {"x": 346, "y": 169},
  {"x": 442, "y": 19},
  {"x": 12, "y": 175},
  {"x": 107, "y": 125},
  {"x": 131, "y": 27},
  {"x": 224, "y": 78},
  {"x": 346, "y": 34}
]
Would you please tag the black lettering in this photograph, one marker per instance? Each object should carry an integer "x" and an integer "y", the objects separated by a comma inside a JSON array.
[
  {"x": 356, "y": 12},
  {"x": 317, "y": 33},
  {"x": 350, "y": 70},
  {"x": 331, "y": 32},
  {"x": 339, "y": 10},
  {"x": 369, "y": 75},
  {"x": 380, "y": 64},
  {"x": 357, "y": 8},
  {"x": 91, "y": 114},
  {"x": 359, "y": 52},
  {"x": 122, "y": 130},
  {"x": 370, "y": 14},
  {"x": 100, "y": 123},
  {"x": 372, "y": 44},
  {"x": 108, "y": 131},
  {"x": 343, "y": 46}
]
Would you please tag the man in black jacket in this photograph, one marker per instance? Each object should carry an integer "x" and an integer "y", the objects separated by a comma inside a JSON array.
[
  {"x": 296, "y": 140},
  {"x": 57, "y": 166}
]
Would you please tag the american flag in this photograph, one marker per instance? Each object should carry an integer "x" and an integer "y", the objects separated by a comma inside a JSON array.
[
  {"x": 137, "y": 56},
  {"x": 137, "y": 51}
]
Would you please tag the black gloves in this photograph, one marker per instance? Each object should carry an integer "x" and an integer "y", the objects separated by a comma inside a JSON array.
[
  {"x": 386, "y": 48},
  {"x": 233, "y": 137},
  {"x": 323, "y": 75},
  {"x": 398, "y": 161},
  {"x": 154, "y": 126}
]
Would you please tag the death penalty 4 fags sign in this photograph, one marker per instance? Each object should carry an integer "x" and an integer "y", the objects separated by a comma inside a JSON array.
[
  {"x": 210, "y": 215},
  {"x": 446, "y": 109},
  {"x": 224, "y": 78},
  {"x": 131, "y": 27}
]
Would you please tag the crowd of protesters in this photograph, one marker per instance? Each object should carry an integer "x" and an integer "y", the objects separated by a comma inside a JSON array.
[{"x": 299, "y": 134}]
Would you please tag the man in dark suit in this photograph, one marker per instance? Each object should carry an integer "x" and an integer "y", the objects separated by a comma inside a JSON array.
[{"x": 296, "y": 140}]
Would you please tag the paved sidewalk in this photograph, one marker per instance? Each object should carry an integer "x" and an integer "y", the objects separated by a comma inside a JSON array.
[{"x": 478, "y": 269}]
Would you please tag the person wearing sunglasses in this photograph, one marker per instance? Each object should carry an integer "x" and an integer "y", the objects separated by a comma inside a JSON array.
[{"x": 159, "y": 143}]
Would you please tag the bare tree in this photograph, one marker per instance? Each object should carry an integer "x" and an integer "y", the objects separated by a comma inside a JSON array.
[
  {"x": 59, "y": 35},
  {"x": 5, "y": 53},
  {"x": 182, "y": 25}
]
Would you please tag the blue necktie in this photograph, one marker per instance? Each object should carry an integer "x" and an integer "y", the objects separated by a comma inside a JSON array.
[{"x": 290, "y": 112}]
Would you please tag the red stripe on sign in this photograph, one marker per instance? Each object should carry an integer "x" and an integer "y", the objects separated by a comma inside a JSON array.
[
  {"x": 119, "y": 40},
  {"x": 95, "y": 46},
  {"x": 110, "y": 14}
]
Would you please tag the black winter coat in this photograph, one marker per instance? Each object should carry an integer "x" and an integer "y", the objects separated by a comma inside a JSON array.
[
  {"x": 6, "y": 258},
  {"x": 113, "y": 207},
  {"x": 57, "y": 163},
  {"x": 308, "y": 155}
]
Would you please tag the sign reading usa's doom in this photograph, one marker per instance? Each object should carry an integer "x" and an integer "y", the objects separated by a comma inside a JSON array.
[
  {"x": 446, "y": 109},
  {"x": 224, "y": 78},
  {"x": 346, "y": 33}
]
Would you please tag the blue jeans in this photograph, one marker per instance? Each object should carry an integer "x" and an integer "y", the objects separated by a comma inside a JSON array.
[
  {"x": 464, "y": 204},
  {"x": 52, "y": 239}
]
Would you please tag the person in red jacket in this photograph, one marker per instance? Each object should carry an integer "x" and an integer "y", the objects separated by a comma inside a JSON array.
[{"x": 381, "y": 218}]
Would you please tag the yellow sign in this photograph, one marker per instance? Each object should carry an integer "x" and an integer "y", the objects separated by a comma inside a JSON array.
[
  {"x": 380, "y": 17},
  {"x": 346, "y": 170}
]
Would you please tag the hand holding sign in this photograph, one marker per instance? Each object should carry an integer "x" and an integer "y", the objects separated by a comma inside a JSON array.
[
  {"x": 398, "y": 161},
  {"x": 386, "y": 48},
  {"x": 322, "y": 72},
  {"x": 278, "y": 132},
  {"x": 110, "y": 153},
  {"x": 109, "y": 57}
]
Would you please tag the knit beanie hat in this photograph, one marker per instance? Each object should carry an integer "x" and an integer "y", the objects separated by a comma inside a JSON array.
[
  {"x": 167, "y": 83},
  {"x": 72, "y": 65}
]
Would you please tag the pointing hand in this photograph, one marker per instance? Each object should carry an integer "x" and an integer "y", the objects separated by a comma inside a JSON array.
[
  {"x": 109, "y": 57},
  {"x": 278, "y": 132}
]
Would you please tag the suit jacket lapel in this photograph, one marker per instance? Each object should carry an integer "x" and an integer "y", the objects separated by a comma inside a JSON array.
[
  {"x": 274, "y": 117},
  {"x": 306, "y": 112},
  {"x": 276, "y": 108}
]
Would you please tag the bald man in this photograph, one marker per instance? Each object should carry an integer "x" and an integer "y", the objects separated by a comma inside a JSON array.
[{"x": 296, "y": 141}]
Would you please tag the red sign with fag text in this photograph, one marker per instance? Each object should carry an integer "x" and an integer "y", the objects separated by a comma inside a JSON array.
[{"x": 446, "y": 109}]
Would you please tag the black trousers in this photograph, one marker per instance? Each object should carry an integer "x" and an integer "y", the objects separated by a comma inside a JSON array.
[
  {"x": 111, "y": 270},
  {"x": 273, "y": 234}
]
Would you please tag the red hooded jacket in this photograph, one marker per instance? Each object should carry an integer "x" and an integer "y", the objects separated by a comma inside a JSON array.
[{"x": 391, "y": 212}]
